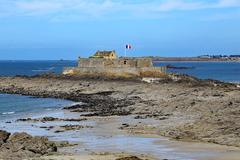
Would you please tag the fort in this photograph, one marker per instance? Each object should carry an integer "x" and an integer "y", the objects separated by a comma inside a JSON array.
[{"x": 107, "y": 64}]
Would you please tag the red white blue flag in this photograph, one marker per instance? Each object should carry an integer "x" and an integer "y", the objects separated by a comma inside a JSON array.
[{"x": 128, "y": 46}]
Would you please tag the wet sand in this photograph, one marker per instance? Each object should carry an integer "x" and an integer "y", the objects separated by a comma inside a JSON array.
[{"x": 107, "y": 140}]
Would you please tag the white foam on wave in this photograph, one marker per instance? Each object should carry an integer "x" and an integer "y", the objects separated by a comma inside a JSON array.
[
  {"x": 7, "y": 113},
  {"x": 43, "y": 70},
  {"x": 40, "y": 70},
  {"x": 74, "y": 103}
]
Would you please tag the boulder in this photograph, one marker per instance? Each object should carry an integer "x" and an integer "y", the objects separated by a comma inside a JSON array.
[
  {"x": 37, "y": 145},
  {"x": 3, "y": 136},
  {"x": 23, "y": 145}
]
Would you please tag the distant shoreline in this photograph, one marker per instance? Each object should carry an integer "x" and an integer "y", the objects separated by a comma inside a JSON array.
[{"x": 194, "y": 59}]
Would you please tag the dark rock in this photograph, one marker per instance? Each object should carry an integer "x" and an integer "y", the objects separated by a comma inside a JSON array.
[
  {"x": 75, "y": 106},
  {"x": 64, "y": 144},
  {"x": 140, "y": 117},
  {"x": 163, "y": 118},
  {"x": 129, "y": 158},
  {"x": 175, "y": 67},
  {"x": 47, "y": 127},
  {"x": 24, "y": 119},
  {"x": 50, "y": 119},
  {"x": 3, "y": 136},
  {"x": 58, "y": 131},
  {"x": 72, "y": 127},
  {"x": 124, "y": 125}
]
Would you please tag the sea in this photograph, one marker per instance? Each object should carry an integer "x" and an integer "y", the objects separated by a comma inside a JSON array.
[
  {"x": 223, "y": 71},
  {"x": 12, "y": 106},
  {"x": 17, "y": 106}
]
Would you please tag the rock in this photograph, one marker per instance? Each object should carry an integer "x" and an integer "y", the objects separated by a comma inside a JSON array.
[
  {"x": 124, "y": 125},
  {"x": 74, "y": 127},
  {"x": 64, "y": 144},
  {"x": 163, "y": 118},
  {"x": 3, "y": 136},
  {"x": 24, "y": 119},
  {"x": 37, "y": 145},
  {"x": 129, "y": 158},
  {"x": 176, "y": 67},
  {"x": 140, "y": 117},
  {"x": 22, "y": 145},
  {"x": 19, "y": 137},
  {"x": 71, "y": 127},
  {"x": 50, "y": 119},
  {"x": 47, "y": 127}
]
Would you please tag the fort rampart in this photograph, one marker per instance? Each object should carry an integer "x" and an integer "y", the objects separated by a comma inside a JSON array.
[{"x": 122, "y": 67}]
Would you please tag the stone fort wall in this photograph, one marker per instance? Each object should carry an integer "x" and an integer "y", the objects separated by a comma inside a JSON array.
[
  {"x": 123, "y": 68},
  {"x": 121, "y": 62},
  {"x": 126, "y": 72}
]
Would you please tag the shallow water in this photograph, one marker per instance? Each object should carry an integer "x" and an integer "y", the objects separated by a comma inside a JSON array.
[
  {"x": 106, "y": 137},
  {"x": 15, "y": 105}
]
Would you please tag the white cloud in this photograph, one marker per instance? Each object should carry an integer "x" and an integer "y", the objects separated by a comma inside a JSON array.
[
  {"x": 58, "y": 9},
  {"x": 222, "y": 16},
  {"x": 228, "y": 3},
  {"x": 38, "y": 7}
]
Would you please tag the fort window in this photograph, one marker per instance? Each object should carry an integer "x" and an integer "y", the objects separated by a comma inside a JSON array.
[{"x": 125, "y": 62}]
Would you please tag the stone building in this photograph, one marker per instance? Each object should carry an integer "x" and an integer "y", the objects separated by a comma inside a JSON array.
[
  {"x": 105, "y": 55},
  {"x": 101, "y": 65}
]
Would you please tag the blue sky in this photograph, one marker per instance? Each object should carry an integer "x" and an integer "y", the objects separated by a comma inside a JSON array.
[{"x": 66, "y": 29}]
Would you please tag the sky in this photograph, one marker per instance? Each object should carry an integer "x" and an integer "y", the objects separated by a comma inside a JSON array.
[{"x": 67, "y": 29}]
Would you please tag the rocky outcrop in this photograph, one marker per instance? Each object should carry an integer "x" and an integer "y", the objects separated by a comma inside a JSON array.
[
  {"x": 3, "y": 137},
  {"x": 50, "y": 119},
  {"x": 20, "y": 146},
  {"x": 203, "y": 110}
]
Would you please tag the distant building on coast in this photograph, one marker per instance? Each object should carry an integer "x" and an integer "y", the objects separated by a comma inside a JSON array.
[
  {"x": 107, "y": 64},
  {"x": 221, "y": 57}
]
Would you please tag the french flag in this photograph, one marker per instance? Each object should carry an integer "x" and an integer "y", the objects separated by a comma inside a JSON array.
[{"x": 128, "y": 46}]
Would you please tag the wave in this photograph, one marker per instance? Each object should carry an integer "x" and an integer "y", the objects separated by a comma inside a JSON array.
[
  {"x": 74, "y": 103},
  {"x": 43, "y": 70},
  {"x": 7, "y": 113},
  {"x": 40, "y": 70}
]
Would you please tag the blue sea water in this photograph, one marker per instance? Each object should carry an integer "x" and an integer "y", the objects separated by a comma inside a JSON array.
[
  {"x": 12, "y": 68},
  {"x": 15, "y": 105},
  {"x": 223, "y": 71}
]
